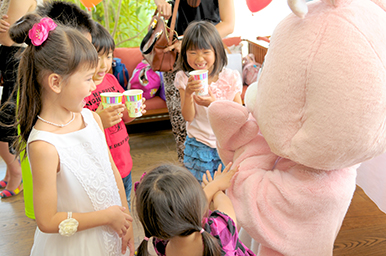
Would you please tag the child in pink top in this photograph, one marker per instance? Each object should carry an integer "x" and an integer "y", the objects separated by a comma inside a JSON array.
[
  {"x": 203, "y": 49},
  {"x": 115, "y": 117}
]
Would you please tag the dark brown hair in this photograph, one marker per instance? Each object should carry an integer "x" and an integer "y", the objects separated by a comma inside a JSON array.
[
  {"x": 170, "y": 202},
  {"x": 102, "y": 40},
  {"x": 202, "y": 35},
  {"x": 68, "y": 14},
  {"x": 64, "y": 52}
]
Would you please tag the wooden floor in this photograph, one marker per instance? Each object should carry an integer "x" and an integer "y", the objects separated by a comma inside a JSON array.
[{"x": 363, "y": 232}]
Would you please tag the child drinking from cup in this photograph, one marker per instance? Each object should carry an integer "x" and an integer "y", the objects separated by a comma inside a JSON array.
[
  {"x": 78, "y": 195},
  {"x": 115, "y": 116},
  {"x": 202, "y": 50},
  {"x": 173, "y": 209}
]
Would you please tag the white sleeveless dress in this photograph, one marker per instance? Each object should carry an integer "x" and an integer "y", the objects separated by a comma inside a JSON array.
[{"x": 85, "y": 183}]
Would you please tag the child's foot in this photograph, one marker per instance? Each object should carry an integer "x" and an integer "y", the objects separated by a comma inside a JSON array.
[
  {"x": 7, "y": 193},
  {"x": 3, "y": 183}
]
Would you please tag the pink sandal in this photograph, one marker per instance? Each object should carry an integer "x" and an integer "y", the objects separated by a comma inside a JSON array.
[
  {"x": 7, "y": 193},
  {"x": 3, "y": 183}
]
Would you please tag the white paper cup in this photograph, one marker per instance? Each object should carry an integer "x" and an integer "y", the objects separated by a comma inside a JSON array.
[
  {"x": 111, "y": 98},
  {"x": 134, "y": 102},
  {"x": 203, "y": 76}
]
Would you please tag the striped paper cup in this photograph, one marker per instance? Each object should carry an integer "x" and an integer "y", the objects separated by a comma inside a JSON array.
[
  {"x": 134, "y": 102},
  {"x": 203, "y": 76},
  {"x": 111, "y": 98}
]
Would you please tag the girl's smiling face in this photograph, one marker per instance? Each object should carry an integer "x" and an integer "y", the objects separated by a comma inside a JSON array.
[
  {"x": 78, "y": 86},
  {"x": 201, "y": 59}
]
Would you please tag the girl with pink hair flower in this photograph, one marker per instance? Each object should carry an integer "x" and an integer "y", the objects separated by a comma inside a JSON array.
[{"x": 78, "y": 195}]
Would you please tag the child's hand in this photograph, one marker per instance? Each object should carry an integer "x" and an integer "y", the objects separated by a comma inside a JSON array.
[
  {"x": 4, "y": 26},
  {"x": 143, "y": 107},
  {"x": 192, "y": 86},
  {"x": 128, "y": 241},
  {"x": 204, "y": 100},
  {"x": 221, "y": 179},
  {"x": 110, "y": 116},
  {"x": 119, "y": 220}
]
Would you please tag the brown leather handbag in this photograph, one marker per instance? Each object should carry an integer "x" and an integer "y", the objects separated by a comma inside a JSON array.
[{"x": 157, "y": 39}]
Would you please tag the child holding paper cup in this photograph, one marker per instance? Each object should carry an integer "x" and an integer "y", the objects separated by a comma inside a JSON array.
[
  {"x": 112, "y": 111},
  {"x": 202, "y": 62}
]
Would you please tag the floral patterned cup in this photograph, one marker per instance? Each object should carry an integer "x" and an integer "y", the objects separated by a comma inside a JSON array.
[{"x": 134, "y": 102}]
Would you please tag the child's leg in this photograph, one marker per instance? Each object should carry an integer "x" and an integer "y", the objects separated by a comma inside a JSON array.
[
  {"x": 198, "y": 158},
  {"x": 127, "y": 182}
]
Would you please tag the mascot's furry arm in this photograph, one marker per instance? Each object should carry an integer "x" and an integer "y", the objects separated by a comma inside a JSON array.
[{"x": 318, "y": 111}]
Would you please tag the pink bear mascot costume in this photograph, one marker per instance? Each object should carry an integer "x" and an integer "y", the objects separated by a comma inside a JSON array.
[{"x": 317, "y": 111}]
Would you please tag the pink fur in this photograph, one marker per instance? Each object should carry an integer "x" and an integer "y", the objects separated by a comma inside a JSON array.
[{"x": 320, "y": 110}]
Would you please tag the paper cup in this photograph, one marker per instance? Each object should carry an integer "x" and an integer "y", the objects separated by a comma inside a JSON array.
[
  {"x": 203, "y": 76},
  {"x": 111, "y": 98},
  {"x": 133, "y": 102}
]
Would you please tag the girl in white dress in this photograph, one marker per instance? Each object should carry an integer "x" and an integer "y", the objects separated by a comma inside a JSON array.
[{"x": 79, "y": 200}]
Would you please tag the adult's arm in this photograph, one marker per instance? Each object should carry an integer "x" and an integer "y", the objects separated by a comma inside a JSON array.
[
  {"x": 227, "y": 16},
  {"x": 16, "y": 9}
]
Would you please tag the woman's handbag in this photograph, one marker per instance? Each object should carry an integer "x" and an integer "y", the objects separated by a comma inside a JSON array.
[{"x": 157, "y": 39}]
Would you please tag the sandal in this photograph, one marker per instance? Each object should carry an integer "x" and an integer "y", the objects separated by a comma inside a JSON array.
[
  {"x": 3, "y": 183},
  {"x": 7, "y": 193}
]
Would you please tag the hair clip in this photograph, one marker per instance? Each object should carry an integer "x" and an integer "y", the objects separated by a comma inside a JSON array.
[
  {"x": 39, "y": 32},
  {"x": 138, "y": 182}
]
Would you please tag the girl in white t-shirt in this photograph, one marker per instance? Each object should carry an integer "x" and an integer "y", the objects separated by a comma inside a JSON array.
[{"x": 203, "y": 49}]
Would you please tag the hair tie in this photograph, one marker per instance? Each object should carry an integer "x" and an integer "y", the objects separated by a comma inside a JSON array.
[
  {"x": 136, "y": 184},
  {"x": 146, "y": 238},
  {"x": 202, "y": 231},
  {"x": 39, "y": 32}
]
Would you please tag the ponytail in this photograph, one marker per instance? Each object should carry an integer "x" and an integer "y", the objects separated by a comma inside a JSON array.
[
  {"x": 142, "y": 248},
  {"x": 211, "y": 244}
]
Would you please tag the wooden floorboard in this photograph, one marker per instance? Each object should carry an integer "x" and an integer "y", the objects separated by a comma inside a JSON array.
[{"x": 363, "y": 231}]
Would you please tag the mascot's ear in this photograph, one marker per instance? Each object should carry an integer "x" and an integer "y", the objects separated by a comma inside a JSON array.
[{"x": 298, "y": 7}]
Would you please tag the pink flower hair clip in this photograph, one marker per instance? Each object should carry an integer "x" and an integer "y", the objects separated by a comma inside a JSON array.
[
  {"x": 136, "y": 184},
  {"x": 39, "y": 32}
]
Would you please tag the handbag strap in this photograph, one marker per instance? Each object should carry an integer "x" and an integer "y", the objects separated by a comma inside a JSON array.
[
  {"x": 150, "y": 31},
  {"x": 173, "y": 24}
]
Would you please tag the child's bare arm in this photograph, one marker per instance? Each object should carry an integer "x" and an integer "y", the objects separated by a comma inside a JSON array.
[
  {"x": 44, "y": 162},
  {"x": 222, "y": 203},
  {"x": 220, "y": 181},
  {"x": 187, "y": 101}
]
